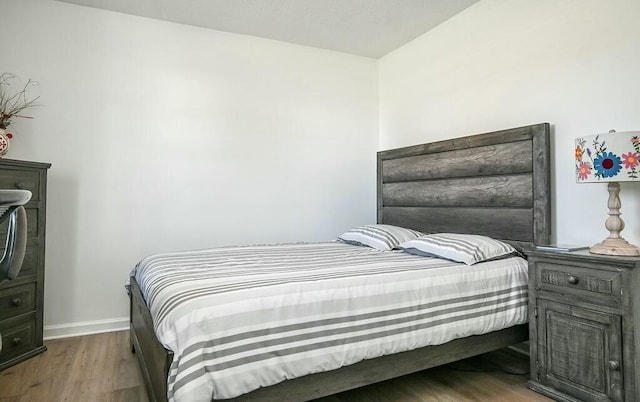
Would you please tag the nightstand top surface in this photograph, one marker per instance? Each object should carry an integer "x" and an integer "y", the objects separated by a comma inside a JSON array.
[{"x": 585, "y": 255}]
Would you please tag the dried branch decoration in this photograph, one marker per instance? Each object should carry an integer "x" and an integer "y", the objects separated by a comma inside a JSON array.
[{"x": 13, "y": 104}]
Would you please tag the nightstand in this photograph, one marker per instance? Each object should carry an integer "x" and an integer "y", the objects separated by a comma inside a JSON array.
[{"x": 584, "y": 314}]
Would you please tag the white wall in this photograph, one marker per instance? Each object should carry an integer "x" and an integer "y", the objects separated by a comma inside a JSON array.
[
  {"x": 502, "y": 64},
  {"x": 165, "y": 137}
]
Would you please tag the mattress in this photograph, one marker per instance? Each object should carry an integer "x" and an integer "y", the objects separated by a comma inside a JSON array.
[{"x": 240, "y": 318}]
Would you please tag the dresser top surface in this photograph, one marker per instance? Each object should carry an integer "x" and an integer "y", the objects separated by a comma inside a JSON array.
[{"x": 21, "y": 163}]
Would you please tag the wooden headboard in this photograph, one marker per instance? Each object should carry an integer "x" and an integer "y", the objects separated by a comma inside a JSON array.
[{"x": 495, "y": 184}]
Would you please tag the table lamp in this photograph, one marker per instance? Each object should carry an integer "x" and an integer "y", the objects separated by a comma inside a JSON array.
[{"x": 611, "y": 158}]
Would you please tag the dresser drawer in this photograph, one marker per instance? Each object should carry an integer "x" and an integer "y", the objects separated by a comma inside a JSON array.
[
  {"x": 17, "y": 300},
  {"x": 591, "y": 284},
  {"x": 21, "y": 179},
  {"x": 18, "y": 337},
  {"x": 32, "y": 226},
  {"x": 29, "y": 264}
]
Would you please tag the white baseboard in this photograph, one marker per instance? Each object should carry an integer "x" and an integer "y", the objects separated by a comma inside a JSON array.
[{"x": 85, "y": 328}]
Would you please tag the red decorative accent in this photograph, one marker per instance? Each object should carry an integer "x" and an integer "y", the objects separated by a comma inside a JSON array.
[
  {"x": 607, "y": 163},
  {"x": 9, "y": 135}
]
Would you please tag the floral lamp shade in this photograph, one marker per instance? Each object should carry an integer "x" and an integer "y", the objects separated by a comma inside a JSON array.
[{"x": 611, "y": 158}]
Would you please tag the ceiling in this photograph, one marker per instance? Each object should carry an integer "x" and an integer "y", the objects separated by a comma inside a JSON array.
[{"x": 369, "y": 28}]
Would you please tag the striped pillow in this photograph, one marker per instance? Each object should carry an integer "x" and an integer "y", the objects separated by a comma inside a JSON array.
[
  {"x": 381, "y": 237},
  {"x": 465, "y": 248}
]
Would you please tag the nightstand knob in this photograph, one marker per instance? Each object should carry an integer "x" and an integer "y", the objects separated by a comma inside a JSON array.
[
  {"x": 17, "y": 341},
  {"x": 614, "y": 365},
  {"x": 572, "y": 279},
  {"x": 20, "y": 185},
  {"x": 16, "y": 302}
]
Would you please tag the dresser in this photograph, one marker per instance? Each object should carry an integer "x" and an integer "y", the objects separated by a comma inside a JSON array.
[
  {"x": 22, "y": 300},
  {"x": 584, "y": 319}
]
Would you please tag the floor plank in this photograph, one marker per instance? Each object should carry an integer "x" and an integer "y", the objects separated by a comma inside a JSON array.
[{"x": 101, "y": 368}]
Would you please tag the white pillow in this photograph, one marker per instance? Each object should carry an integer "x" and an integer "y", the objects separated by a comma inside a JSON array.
[
  {"x": 381, "y": 237},
  {"x": 465, "y": 248}
]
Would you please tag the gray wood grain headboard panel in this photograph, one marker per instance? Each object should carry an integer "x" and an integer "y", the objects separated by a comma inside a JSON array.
[{"x": 496, "y": 184}]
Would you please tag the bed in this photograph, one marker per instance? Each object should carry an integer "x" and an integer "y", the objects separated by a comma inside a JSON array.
[{"x": 495, "y": 184}]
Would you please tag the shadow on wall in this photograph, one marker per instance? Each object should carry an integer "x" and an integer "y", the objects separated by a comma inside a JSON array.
[{"x": 61, "y": 266}]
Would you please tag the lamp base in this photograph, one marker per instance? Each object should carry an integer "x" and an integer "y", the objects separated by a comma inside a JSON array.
[{"x": 612, "y": 246}]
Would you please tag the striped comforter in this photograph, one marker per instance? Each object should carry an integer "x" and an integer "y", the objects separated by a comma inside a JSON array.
[{"x": 240, "y": 318}]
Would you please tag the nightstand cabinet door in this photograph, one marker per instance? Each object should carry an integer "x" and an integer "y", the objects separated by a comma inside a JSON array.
[{"x": 580, "y": 351}]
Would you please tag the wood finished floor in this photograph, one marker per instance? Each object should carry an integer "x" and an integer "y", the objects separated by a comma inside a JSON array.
[{"x": 101, "y": 368}]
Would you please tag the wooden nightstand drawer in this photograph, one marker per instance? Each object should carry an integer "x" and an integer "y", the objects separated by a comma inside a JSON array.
[
  {"x": 18, "y": 337},
  {"x": 21, "y": 179},
  {"x": 17, "y": 300},
  {"x": 592, "y": 284}
]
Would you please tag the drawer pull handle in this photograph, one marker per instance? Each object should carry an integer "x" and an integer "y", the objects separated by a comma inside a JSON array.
[
  {"x": 614, "y": 365},
  {"x": 17, "y": 341},
  {"x": 573, "y": 279},
  {"x": 16, "y": 302},
  {"x": 20, "y": 185}
]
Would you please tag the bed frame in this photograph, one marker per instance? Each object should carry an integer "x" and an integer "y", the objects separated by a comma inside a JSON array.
[{"x": 496, "y": 184}]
